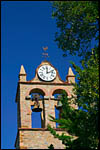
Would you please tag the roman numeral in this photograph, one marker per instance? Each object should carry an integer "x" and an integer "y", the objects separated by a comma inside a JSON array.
[
  {"x": 43, "y": 77},
  {"x": 52, "y": 75},
  {"x": 41, "y": 74},
  {"x": 43, "y": 68}
]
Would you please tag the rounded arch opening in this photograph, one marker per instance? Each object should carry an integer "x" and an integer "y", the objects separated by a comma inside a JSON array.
[
  {"x": 56, "y": 93},
  {"x": 36, "y": 116},
  {"x": 37, "y": 90}
]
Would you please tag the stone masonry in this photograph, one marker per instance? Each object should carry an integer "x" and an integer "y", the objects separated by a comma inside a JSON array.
[{"x": 39, "y": 138}]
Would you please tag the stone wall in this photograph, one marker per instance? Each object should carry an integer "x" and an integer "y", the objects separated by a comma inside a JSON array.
[
  {"x": 24, "y": 106},
  {"x": 37, "y": 139}
]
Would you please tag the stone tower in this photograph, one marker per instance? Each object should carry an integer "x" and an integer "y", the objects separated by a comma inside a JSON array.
[{"x": 47, "y": 83}]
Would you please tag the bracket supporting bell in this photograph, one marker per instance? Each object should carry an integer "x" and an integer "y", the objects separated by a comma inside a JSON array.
[{"x": 28, "y": 97}]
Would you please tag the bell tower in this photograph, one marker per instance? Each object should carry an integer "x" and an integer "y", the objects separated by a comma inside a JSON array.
[{"x": 38, "y": 95}]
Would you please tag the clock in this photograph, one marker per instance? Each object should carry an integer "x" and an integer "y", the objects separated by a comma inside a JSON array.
[{"x": 47, "y": 73}]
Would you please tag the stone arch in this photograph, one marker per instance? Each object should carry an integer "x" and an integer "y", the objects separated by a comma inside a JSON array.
[
  {"x": 37, "y": 89},
  {"x": 58, "y": 90}
]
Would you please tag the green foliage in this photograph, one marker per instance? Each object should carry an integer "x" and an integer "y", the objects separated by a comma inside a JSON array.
[
  {"x": 51, "y": 146},
  {"x": 82, "y": 122},
  {"x": 77, "y": 122},
  {"x": 78, "y": 25},
  {"x": 65, "y": 139},
  {"x": 87, "y": 89}
]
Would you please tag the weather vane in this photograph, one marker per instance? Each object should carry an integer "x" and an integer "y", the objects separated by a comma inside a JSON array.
[{"x": 45, "y": 54}]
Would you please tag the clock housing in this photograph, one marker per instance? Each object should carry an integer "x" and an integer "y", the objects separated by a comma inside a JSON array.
[{"x": 47, "y": 73}]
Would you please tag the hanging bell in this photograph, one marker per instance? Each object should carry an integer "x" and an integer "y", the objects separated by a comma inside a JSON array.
[
  {"x": 36, "y": 107},
  {"x": 59, "y": 103}
]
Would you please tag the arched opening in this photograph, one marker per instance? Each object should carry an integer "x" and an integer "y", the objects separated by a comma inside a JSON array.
[
  {"x": 37, "y": 110},
  {"x": 57, "y": 93},
  {"x": 37, "y": 90}
]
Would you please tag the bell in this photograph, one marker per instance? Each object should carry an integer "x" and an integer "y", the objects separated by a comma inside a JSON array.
[
  {"x": 36, "y": 107},
  {"x": 36, "y": 104},
  {"x": 59, "y": 103}
]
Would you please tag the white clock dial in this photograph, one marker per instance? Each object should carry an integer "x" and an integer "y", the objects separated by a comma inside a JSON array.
[{"x": 47, "y": 73}]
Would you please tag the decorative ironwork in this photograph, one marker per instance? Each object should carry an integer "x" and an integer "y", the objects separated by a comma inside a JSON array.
[{"x": 45, "y": 54}]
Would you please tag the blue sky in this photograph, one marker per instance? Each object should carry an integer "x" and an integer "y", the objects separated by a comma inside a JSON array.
[{"x": 26, "y": 27}]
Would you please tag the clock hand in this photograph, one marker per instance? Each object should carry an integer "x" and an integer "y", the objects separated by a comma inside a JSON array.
[
  {"x": 46, "y": 69},
  {"x": 51, "y": 71}
]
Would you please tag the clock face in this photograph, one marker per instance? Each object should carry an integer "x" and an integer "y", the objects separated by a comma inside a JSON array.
[{"x": 47, "y": 73}]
